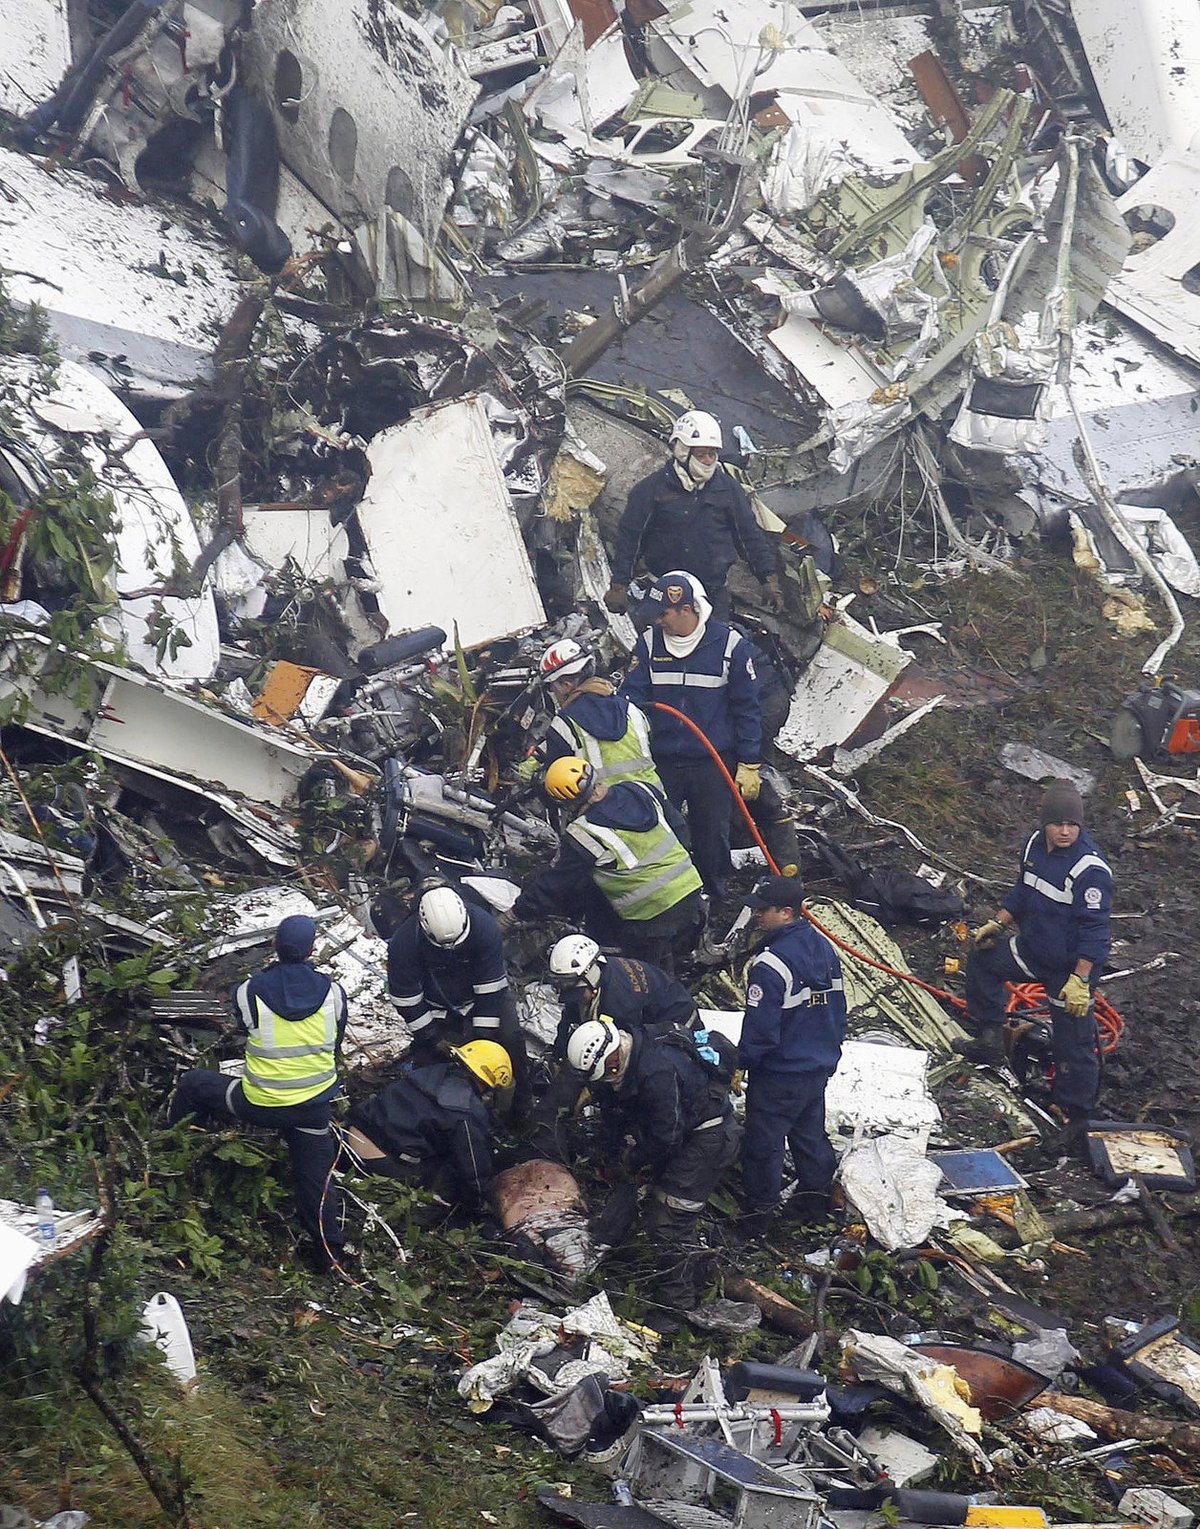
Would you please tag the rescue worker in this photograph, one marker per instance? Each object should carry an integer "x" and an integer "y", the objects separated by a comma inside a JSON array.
[
  {"x": 703, "y": 668},
  {"x": 635, "y": 995},
  {"x": 681, "y": 1118},
  {"x": 447, "y": 977},
  {"x": 434, "y": 1124},
  {"x": 791, "y": 1041},
  {"x": 691, "y": 514},
  {"x": 1053, "y": 929},
  {"x": 593, "y": 721},
  {"x": 620, "y": 868},
  {"x": 295, "y": 1020}
]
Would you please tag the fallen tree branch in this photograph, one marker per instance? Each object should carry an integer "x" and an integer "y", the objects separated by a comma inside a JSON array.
[
  {"x": 1153, "y": 1213},
  {"x": 776, "y": 1309},
  {"x": 1103, "y": 1218},
  {"x": 1182, "y": 1438}
]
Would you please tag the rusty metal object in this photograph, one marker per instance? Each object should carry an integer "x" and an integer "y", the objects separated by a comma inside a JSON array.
[
  {"x": 998, "y": 1386},
  {"x": 946, "y": 105}
]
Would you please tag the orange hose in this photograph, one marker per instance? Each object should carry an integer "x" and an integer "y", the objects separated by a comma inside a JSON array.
[{"x": 1109, "y": 1021}]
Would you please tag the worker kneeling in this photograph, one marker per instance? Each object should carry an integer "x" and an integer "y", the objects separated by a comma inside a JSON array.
[
  {"x": 620, "y": 867},
  {"x": 675, "y": 1104},
  {"x": 434, "y": 1124}
]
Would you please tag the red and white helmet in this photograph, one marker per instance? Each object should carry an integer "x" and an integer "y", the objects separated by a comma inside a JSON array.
[
  {"x": 566, "y": 660},
  {"x": 695, "y": 428}
]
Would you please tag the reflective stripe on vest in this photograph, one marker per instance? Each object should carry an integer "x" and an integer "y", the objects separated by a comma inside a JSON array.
[
  {"x": 650, "y": 872},
  {"x": 691, "y": 681},
  {"x": 613, "y": 759},
  {"x": 291, "y": 1060}
]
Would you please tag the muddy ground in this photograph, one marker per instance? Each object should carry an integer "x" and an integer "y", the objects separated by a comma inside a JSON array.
[{"x": 333, "y": 1404}]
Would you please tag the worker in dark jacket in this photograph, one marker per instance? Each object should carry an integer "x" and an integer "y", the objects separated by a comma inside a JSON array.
[
  {"x": 791, "y": 1041},
  {"x": 295, "y": 1020},
  {"x": 433, "y": 1124},
  {"x": 448, "y": 981},
  {"x": 1052, "y": 929},
  {"x": 635, "y": 995},
  {"x": 681, "y": 1118},
  {"x": 692, "y": 515},
  {"x": 620, "y": 868},
  {"x": 703, "y": 668}
]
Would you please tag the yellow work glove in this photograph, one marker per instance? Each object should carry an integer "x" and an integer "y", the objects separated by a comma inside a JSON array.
[
  {"x": 1076, "y": 995},
  {"x": 749, "y": 781},
  {"x": 617, "y": 598},
  {"x": 774, "y": 593},
  {"x": 986, "y": 935}
]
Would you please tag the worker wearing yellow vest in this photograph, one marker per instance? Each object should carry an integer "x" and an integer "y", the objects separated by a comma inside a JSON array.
[
  {"x": 295, "y": 1018},
  {"x": 593, "y": 721},
  {"x": 620, "y": 867}
]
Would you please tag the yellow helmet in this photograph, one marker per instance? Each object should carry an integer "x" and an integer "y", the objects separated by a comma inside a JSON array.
[
  {"x": 570, "y": 779},
  {"x": 486, "y": 1060}
]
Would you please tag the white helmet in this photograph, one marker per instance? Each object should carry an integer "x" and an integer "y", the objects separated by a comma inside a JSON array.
[
  {"x": 444, "y": 917},
  {"x": 695, "y": 428},
  {"x": 590, "y": 1047},
  {"x": 566, "y": 659},
  {"x": 575, "y": 959}
]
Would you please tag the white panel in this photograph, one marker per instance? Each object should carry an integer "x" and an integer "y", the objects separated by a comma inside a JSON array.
[
  {"x": 36, "y": 52},
  {"x": 442, "y": 535}
]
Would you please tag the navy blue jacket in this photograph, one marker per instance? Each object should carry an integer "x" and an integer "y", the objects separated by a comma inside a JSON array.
[
  {"x": 1061, "y": 902},
  {"x": 701, "y": 531},
  {"x": 435, "y": 1115},
  {"x": 633, "y": 994},
  {"x": 293, "y": 990},
  {"x": 665, "y": 1094},
  {"x": 628, "y": 805},
  {"x": 471, "y": 979},
  {"x": 795, "y": 1007},
  {"x": 715, "y": 685}
]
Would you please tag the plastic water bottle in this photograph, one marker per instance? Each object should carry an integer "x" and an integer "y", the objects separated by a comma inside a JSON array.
[{"x": 47, "y": 1232}]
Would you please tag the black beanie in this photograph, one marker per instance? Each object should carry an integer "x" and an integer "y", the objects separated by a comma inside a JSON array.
[{"x": 1062, "y": 803}]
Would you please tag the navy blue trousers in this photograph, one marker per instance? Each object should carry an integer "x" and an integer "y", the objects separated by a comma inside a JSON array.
[
  {"x": 1075, "y": 1039},
  {"x": 306, "y": 1128},
  {"x": 785, "y": 1109}
]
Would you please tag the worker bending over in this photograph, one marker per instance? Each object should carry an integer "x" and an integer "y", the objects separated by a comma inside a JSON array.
[
  {"x": 448, "y": 980},
  {"x": 295, "y": 1018},
  {"x": 434, "y": 1124},
  {"x": 685, "y": 1137},
  {"x": 620, "y": 869},
  {"x": 593, "y": 722}
]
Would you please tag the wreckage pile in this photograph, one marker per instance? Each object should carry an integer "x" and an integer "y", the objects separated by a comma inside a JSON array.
[{"x": 295, "y": 493}]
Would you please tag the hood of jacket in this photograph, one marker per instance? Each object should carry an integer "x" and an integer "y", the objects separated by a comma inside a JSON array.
[
  {"x": 291, "y": 989},
  {"x": 628, "y": 806},
  {"x": 604, "y": 716}
]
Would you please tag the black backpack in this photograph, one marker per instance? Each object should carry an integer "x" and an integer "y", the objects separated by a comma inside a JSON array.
[{"x": 715, "y": 1052}]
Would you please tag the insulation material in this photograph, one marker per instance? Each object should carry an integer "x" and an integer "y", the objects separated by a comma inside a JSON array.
[
  {"x": 440, "y": 529},
  {"x": 894, "y": 1189},
  {"x": 935, "y": 1387},
  {"x": 881, "y": 1089}
]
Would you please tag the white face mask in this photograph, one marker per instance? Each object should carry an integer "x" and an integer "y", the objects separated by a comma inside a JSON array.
[{"x": 700, "y": 471}]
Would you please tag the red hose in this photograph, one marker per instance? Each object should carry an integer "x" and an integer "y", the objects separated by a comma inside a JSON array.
[{"x": 1110, "y": 1022}]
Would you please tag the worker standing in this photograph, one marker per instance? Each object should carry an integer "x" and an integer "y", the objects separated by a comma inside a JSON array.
[
  {"x": 1053, "y": 929},
  {"x": 701, "y": 667},
  {"x": 791, "y": 1041},
  {"x": 448, "y": 980},
  {"x": 593, "y": 722},
  {"x": 434, "y": 1124},
  {"x": 685, "y": 1137},
  {"x": 295, "y": 1019},
  {"x": 620, "y": 868},
  {"x": 691, "y": 514}
]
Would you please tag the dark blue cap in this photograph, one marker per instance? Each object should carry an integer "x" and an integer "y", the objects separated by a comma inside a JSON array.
[
  {"x": 776, "y": 892},
  {"x": 672, "y": 591},
  {"x": 295, "y": 937}
]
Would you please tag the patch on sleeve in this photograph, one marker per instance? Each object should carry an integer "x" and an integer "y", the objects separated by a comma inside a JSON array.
[
  {"x": 1093, "y": 897},
  {"x": 750, "y": 669},
  {"x": 633, "y": 663},
  {"x": 753, "y": 995}
]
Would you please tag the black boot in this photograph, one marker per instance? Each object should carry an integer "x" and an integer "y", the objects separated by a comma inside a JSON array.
[{"x": 986, "y": 1047}]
